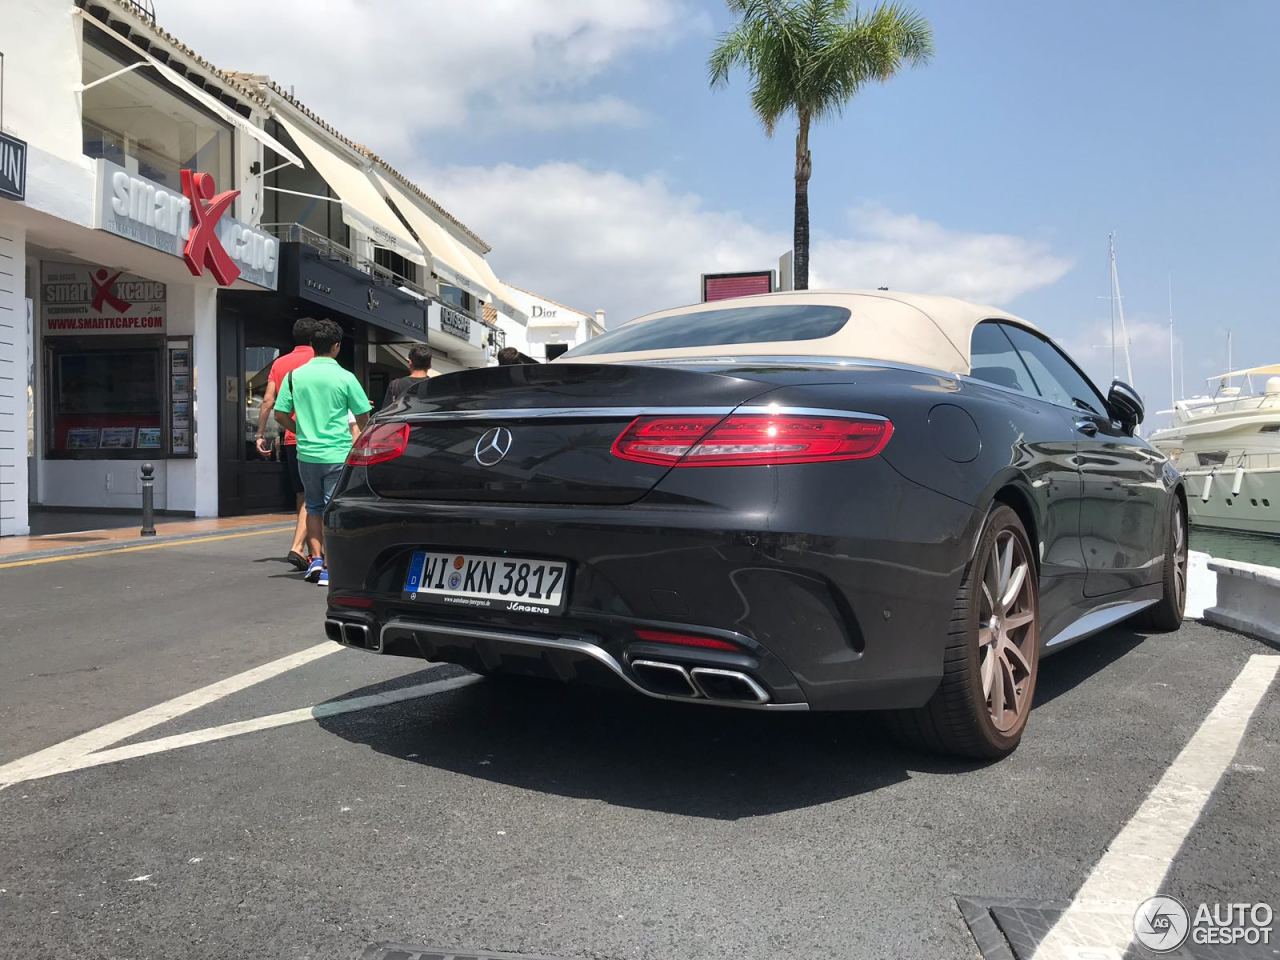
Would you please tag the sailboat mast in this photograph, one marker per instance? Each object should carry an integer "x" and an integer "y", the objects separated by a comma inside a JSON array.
[
  {"x": 1111, "y": 255},
  {"x": 1173, "y": 392},
  {"x": 1118, "y": 309}
]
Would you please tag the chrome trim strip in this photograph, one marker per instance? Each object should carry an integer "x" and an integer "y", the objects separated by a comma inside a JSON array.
[
  {"x": 1097, "y": 620},
  {"x": 773, "y": 408},
  {"x": 781, "y": 360},
  {"x": 539, "y": 413},
  {"x": 569, "y": 413},
  {"x": 756, "y": 690},
  {"x": 577, "y": 646}
]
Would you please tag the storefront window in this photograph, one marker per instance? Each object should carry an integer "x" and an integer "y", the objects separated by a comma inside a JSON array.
[
  {"x": 257, "y": 367},
  {"x": 140, "y": 122},
  {"x": 457, "y": 298},
  {"x": 106, "y": 399}
]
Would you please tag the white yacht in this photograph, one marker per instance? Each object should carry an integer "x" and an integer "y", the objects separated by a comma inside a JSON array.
[{"x": 1228, "y": 448}]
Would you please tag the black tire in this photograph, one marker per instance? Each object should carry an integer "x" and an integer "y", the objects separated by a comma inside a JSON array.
[
  {"x": 1166, "y": 616},
  {"x": 958, "y": 720}
]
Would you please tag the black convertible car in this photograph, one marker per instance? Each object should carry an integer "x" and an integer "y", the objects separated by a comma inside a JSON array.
[{"x": 800, "y": 501}]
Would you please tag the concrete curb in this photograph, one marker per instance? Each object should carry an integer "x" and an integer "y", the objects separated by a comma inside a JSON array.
[
  {"x": 118, "y": 545},
  {"x": 1248, "y": 599}
]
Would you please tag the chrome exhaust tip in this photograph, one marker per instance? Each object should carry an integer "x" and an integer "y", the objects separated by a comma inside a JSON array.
[
  {"x": 333, "y": 630},
  {"x": 669, "y": 679},
  {"x": 731, "y": 685},
  {"x": 359, "y": 635}
]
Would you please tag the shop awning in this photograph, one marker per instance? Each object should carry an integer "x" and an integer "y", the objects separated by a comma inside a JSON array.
[
  {"x": 505, "y": 301},
  {"x": 363, "y": 206},
  {"x": 453, "y": 261},
  {"x": 206, "y": 100}
]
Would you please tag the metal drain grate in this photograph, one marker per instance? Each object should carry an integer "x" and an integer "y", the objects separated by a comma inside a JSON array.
[
  {"x": 399, "y": 951},
  {"x": 1007, "y": 929}
]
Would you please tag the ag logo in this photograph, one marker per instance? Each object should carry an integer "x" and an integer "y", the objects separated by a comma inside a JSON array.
[{"x": 1161, "y": 924}]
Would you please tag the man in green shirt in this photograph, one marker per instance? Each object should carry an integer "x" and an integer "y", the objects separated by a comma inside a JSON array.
[{"x": 322, "y": 397}]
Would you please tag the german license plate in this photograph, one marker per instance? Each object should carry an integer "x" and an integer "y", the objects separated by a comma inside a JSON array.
[{"x": 486, "y": 583}]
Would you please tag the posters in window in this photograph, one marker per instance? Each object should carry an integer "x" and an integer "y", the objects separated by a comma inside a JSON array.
[
  {"x": 148, "y": 438},
  {"x": 117, "y": 438},
  {"x": 83, "y": 300},
  {"x": 82, "y": 438}
]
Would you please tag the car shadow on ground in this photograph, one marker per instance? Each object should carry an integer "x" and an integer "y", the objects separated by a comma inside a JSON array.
[{"x": 686, "y": 759}]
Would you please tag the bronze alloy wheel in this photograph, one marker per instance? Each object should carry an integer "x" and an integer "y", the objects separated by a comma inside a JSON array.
[
  {"x": 1006, "y": 632},
  {"x": 992, "y": 652},
  {"x": 1165, "y": 615},
  {"x": 1179, "y": 557}
]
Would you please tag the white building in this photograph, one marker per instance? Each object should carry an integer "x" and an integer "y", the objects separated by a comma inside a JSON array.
[
  {"x": 547, "y": 328},
  {"x": 162, "y": 225}
]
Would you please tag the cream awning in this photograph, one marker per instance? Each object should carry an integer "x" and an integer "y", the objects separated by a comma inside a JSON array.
[
  {"x": 208, "y": 101},
  {"x": 447, "y": 257},
  {"x": 505, "y": 300},
  {"x": 452, "y": 260},
  {"x": 1266, "y": 370},
  {"x": 363, "y": 206}
]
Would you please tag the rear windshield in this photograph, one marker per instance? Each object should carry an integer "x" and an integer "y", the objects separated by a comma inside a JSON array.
[{"x": 712, "y": 328}]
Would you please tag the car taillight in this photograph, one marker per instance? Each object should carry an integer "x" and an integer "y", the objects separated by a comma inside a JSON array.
[
  {"x": 378, "y": 444},
  {"x": 751, "y": 439}
]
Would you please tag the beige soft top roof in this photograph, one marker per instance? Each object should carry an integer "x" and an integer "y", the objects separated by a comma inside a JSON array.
[{"x": 915, "y": 329}]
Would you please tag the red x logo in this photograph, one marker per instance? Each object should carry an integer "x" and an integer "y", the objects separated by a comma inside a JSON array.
[
  {"x": 104, "y": 287},
  {"x": 204, "y": 248}
]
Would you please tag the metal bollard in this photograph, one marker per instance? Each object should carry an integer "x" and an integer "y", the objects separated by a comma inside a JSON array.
[{"x": 148, "y": 501}]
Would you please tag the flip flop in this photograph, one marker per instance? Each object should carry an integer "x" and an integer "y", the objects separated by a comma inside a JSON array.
[{"x": 297, "y": 559}]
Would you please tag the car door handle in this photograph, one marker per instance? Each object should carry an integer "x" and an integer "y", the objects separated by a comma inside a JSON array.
[{"x": 1087, "y": 427}]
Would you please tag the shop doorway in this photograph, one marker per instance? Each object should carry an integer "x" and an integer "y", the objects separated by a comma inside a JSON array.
[{"x": 247, "y": 346}]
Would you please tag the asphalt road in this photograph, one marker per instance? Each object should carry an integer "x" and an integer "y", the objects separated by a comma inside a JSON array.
[{"x": 526, "y": 818}]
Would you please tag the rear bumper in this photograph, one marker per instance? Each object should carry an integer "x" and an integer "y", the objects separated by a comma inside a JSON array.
[{"x": 847, "y": 609}]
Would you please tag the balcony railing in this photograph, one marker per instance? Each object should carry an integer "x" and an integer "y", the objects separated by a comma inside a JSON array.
[{"x": 332, "y": 250}]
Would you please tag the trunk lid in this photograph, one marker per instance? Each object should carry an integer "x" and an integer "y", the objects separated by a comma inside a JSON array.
[{"x": 541, "y": 433}]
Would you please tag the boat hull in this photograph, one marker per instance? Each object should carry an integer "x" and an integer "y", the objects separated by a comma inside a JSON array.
[{"x": 1235, "y": 499}]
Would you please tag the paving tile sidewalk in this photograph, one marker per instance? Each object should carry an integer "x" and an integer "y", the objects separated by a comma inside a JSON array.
[{"x": 96, "y": 541}]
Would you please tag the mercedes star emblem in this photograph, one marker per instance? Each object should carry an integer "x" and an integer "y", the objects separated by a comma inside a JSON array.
[{"x": 492, "y": 446}]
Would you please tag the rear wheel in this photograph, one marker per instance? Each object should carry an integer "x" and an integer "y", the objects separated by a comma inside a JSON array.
[
  {"x": 1166, "y": 616},
  {"x": 992, "y": 655}
]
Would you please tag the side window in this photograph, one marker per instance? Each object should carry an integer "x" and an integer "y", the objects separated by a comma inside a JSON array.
[
  {"x": 993, "y": 359},
  {"x": 1056, "y": 376}
]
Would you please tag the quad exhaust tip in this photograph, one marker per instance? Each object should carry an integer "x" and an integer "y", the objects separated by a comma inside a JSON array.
[
  {"x": 710, "y": 683},
  {"x": 351, "y": 635}
]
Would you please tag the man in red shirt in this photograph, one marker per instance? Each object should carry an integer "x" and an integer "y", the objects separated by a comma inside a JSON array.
[{"x": 300, "y": 550}]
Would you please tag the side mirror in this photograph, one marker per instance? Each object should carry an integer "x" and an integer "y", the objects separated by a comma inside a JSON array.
[{"x": 1125, "y": 406}]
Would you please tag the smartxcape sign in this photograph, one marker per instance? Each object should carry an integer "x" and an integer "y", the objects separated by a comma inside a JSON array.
[
  {"x": 190, "y": 223},
  {"x": 13, "y": 167}
]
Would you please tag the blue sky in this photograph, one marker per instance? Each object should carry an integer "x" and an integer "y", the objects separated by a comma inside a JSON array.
[{"x": 581, "y": 140}]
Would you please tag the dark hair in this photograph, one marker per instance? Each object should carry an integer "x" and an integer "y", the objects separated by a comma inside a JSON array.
[
  {"x": 419, "y": 357},
  {"x": 508, "y": 356},
  {"x": 324, "y": 335},
  {"x": 303, "y": 327}
]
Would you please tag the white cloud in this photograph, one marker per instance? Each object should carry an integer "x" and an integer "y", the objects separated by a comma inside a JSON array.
[
  {"x": 628, "y": 245},
  {"x": 415, "y": 66}
]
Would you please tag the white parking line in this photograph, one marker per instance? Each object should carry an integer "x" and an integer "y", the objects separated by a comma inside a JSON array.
[
  {"x": 210, "y": 734},
  {"x": 68, "y": 751},
  {"x": 1139, "y": 857}
]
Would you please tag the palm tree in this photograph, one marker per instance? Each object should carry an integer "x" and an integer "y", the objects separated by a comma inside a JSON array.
[{"x": 810, "y": 58}]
